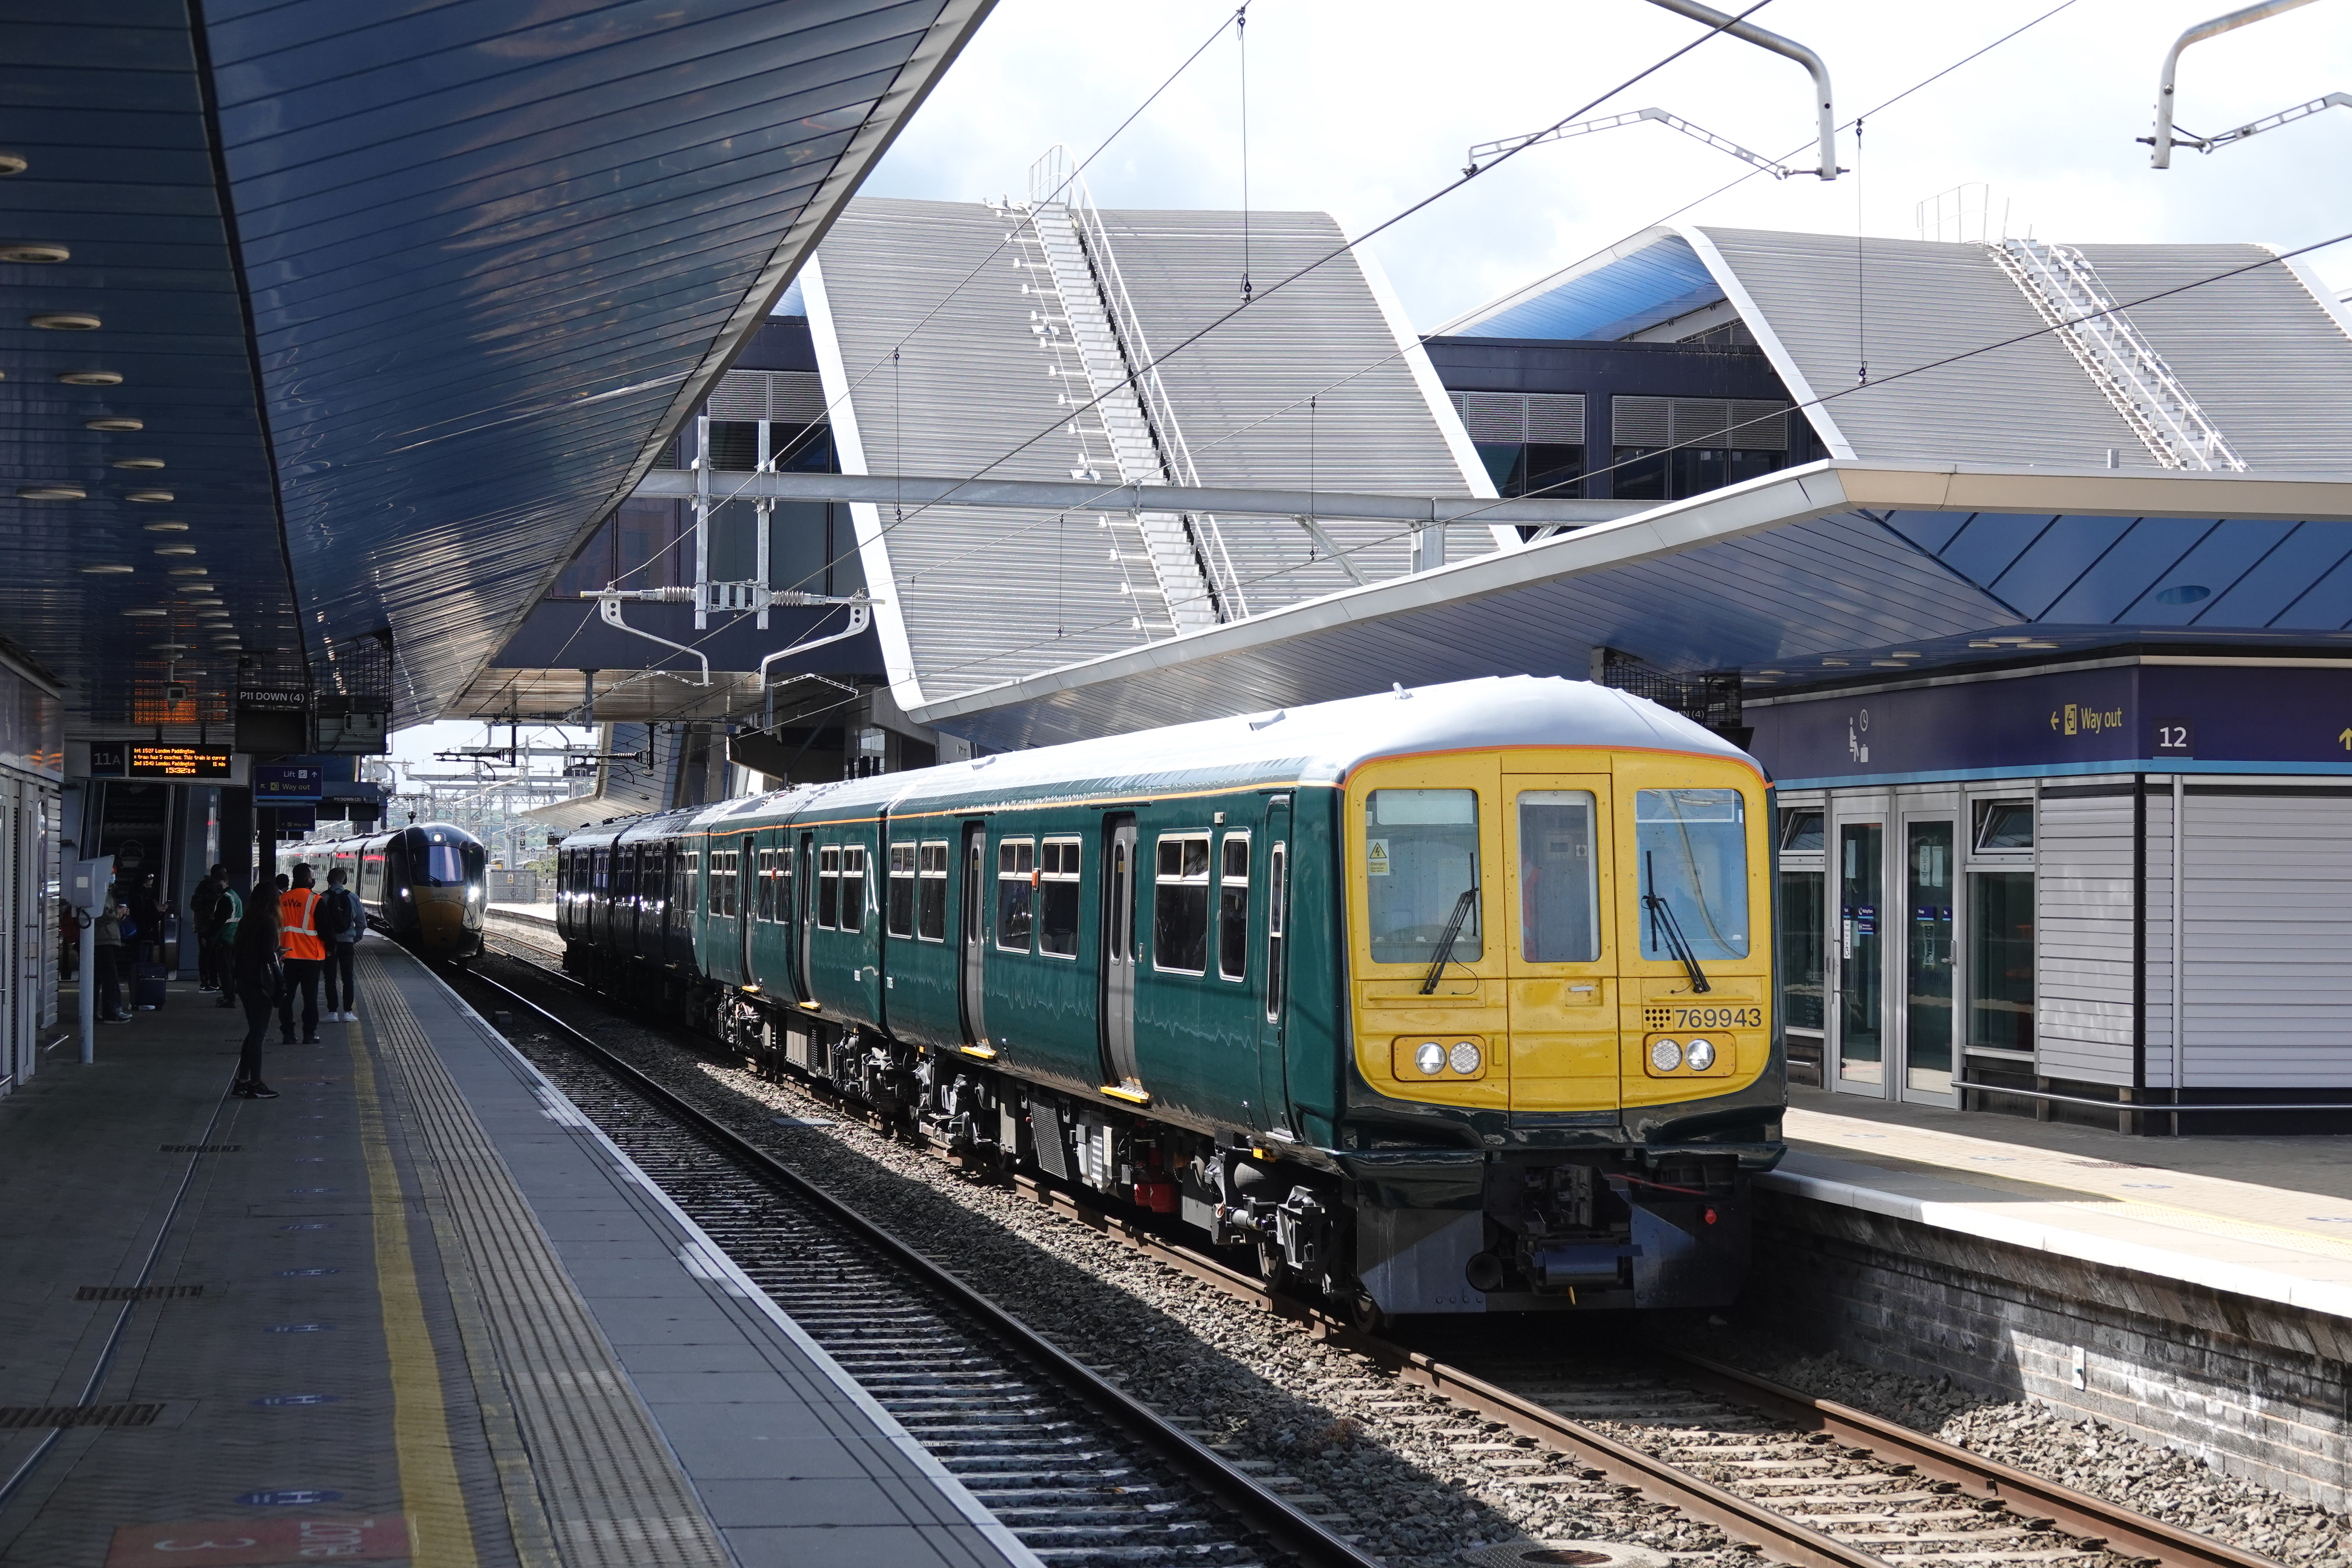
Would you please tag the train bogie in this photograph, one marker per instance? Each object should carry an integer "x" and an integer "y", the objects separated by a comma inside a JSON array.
[{"x": 1458, "y": 1000}]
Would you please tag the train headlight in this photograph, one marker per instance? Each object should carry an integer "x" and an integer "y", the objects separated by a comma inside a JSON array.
[
  {"x": 1700, "y": 1055},
  {"x": 1665, "y": 1055},
  {"x": 1464, "y": 1058},
  {"x": 1430, "y": 1059}
]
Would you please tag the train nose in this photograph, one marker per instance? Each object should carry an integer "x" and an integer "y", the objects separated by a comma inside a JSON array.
[{"x": 441, "y": 916}]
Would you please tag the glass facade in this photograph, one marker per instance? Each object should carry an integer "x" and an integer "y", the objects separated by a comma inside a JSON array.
[{"x": 2000, "y": 961}]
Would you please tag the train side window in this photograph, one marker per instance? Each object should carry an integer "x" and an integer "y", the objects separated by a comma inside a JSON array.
[
  {"x": 764, "y": 895},
  {"x": 1179, "y": 905},
  {"x": 1278, "y": 916},
  {"x": 714, "y": 885},
  {"x": 853, "y": 887},
  {"x": 902, "y": 889},
  {"x": 1057, "y": 898},
  {"x": 1016, "y": 891},
  {"x": 932, "y": 894},
  {"x": 828, "y": 888},
  {"x": 1232, "y": 907}
]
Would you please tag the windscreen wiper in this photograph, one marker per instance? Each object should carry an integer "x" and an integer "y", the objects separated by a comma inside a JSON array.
[
  {"x": 1462, "y": 907},
  {"x": 1662, "y": 924}
]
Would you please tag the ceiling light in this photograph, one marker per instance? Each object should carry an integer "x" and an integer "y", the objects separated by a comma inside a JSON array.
[
  {"x": 1997, "y": 641},
  {"x": 114, "y": 424},
  {"x": 192, "y": 570},
  {"x": 146, "y": 612},
  {"x": 67, "y": 321},
  {"x": 1886, "y": 664},
  {"x": 172, "y": 647},
  {"x": 33, "y": 253},
  {"x": 167, "y": 527},
  {"x": 1772, "y": 673},
  {"x": 11, "y": 164},
  {"x": 175, "y": 550},
  {"x": 1835, "y": 663},
  {"x": 91, "y": 378},
  {"x": 139, "y": 462},
  {"x": 1906, "y": 652},
  {"x": 147, "y": 495},
  {"x": 1981, "y": 642},
  {"x": 51, "y": 492},
  {"x": 2036, "y": 646},
  {"x": 109, "y": 570}
]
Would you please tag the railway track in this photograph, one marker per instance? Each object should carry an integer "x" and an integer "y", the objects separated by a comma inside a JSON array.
[
  {"x": 1084, "y": 1475},
  {"x": 1809, "y": 1482}
]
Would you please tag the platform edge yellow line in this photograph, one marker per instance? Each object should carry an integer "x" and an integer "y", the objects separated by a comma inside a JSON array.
[{"x": 441, "y": 1532}]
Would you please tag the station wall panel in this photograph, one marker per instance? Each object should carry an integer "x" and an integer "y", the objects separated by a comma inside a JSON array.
[{"x": 2084, "y": 937}]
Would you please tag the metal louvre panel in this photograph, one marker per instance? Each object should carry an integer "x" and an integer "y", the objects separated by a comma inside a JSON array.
[
  {"x": 1494, "y": 416},
  {"x": 1924, "y": 302},
  {"x": 1698, "y": 421},
  {"x": 2269, "y": 366},
  {"x": 2265, "y": 925},
  {"x": 988, "y": 595},
  {"x": 1242, "y": 391},
  {"x": 1556, "y": 419},
  {"x": 2082, "y": 938},
  {"x": 785, "y": 396},
  {"x": 1758, "y": 425},
  {"x": 1639, "y": 421}
]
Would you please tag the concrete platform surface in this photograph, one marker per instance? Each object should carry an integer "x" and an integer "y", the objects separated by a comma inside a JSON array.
[
  {"x": 416, "y": 1309},
  {"x": 2266, "y": 1217}
]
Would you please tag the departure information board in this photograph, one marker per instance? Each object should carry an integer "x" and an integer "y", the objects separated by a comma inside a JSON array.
[{"x": 155, "y": 760}]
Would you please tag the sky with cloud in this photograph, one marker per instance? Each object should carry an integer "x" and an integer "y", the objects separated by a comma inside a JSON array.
[{"x": 1361, "y": 109}]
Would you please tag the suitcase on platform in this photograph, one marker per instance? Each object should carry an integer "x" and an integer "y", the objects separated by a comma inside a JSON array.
[{"x": 147, "y": 985}]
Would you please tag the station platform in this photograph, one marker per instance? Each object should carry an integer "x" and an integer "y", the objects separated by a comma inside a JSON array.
[
  {"x": 2263, "y": 1218},
  {"x": 416, "y": 1309}
]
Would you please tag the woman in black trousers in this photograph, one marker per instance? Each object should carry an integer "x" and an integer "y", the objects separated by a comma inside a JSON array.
[{"x": 259, "y": 979}]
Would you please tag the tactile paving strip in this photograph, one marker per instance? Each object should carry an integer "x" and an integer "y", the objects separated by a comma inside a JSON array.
[{"x": 613, "y": 1494}]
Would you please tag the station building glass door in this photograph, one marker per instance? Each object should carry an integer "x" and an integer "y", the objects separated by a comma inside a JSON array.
[
  {"x": 1859, "y": 1008},
  {"x": 1926, "y": 957}
]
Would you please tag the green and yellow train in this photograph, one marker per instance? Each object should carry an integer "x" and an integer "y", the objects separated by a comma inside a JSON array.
[{"x": 1457, "y": 999}]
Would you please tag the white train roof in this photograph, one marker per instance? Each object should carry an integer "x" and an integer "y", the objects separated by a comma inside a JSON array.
[{"x": 1320, "y": 744}]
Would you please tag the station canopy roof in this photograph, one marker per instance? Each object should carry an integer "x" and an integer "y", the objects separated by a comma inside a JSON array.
[{"x": 339, "y": 326}]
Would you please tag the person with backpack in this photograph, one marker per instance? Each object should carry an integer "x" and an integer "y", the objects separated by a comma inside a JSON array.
[
  {"x": 341, "y": 923},
  {"x": 259, "y": 976},
  {"x": 228, "y": 911}
]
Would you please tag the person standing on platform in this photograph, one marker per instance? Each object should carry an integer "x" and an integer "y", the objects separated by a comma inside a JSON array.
[
  {"x": 220, "y": 946},
  {"x": 204, "y": 908},
  {"x": 341, "y": 923},
  {"x": 304, "y": 955},
  {"x": 106, "y": 962},
  {"x": 258, "y": 977}
]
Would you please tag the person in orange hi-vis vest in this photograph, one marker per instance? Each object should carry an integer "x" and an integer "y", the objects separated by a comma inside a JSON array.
[{"x": 304, "y": 956}]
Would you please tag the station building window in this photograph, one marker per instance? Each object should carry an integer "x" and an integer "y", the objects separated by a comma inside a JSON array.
[
  {"x": 1804, "y": 932},
  {"x": 931, "y": 894},
  {"x": 2000, "y": 956},
  {"x": 1180, "y": 904},
  {"x": 1057, "y": 898},
  {"x": 1016, "y": 890},
  {"x": 1232, "y": 907},
  {"x": 901, "y": 913}
]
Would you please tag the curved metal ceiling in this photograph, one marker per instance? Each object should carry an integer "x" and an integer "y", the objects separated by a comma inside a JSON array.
[{"x": 443, "y": 277}]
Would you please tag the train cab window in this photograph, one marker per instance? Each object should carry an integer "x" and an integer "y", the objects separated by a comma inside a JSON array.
[
  {"x": 1016, "y": 889},
  {"x": 1180, "y": 904},
  {"x": 932, "y": 894},
  {"x": 1560, "y": 880},
  {"x": 901, "y": 912},
  {"x": 828, "y": 888},
  {"x": 1691, "y": 848},
  {"x": 1057, "y": 898},
  {"x": 1232, "y": 907},
  {"x": 1421, "y": 868},
  {"x": 853, "y": 887}
]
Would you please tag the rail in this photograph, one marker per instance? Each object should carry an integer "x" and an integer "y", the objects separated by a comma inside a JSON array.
[{"x": 1209, "y": 1472}]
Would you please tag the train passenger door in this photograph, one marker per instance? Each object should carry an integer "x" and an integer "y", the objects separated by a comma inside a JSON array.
[
  {"x": 1120, "y": 1066},
  {"x": 1272, "y": 1101},
  {"x": 1563, "y": 1039},
  {"x": 803, "y": 917},
  {"x": 973, "y": 933}
]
